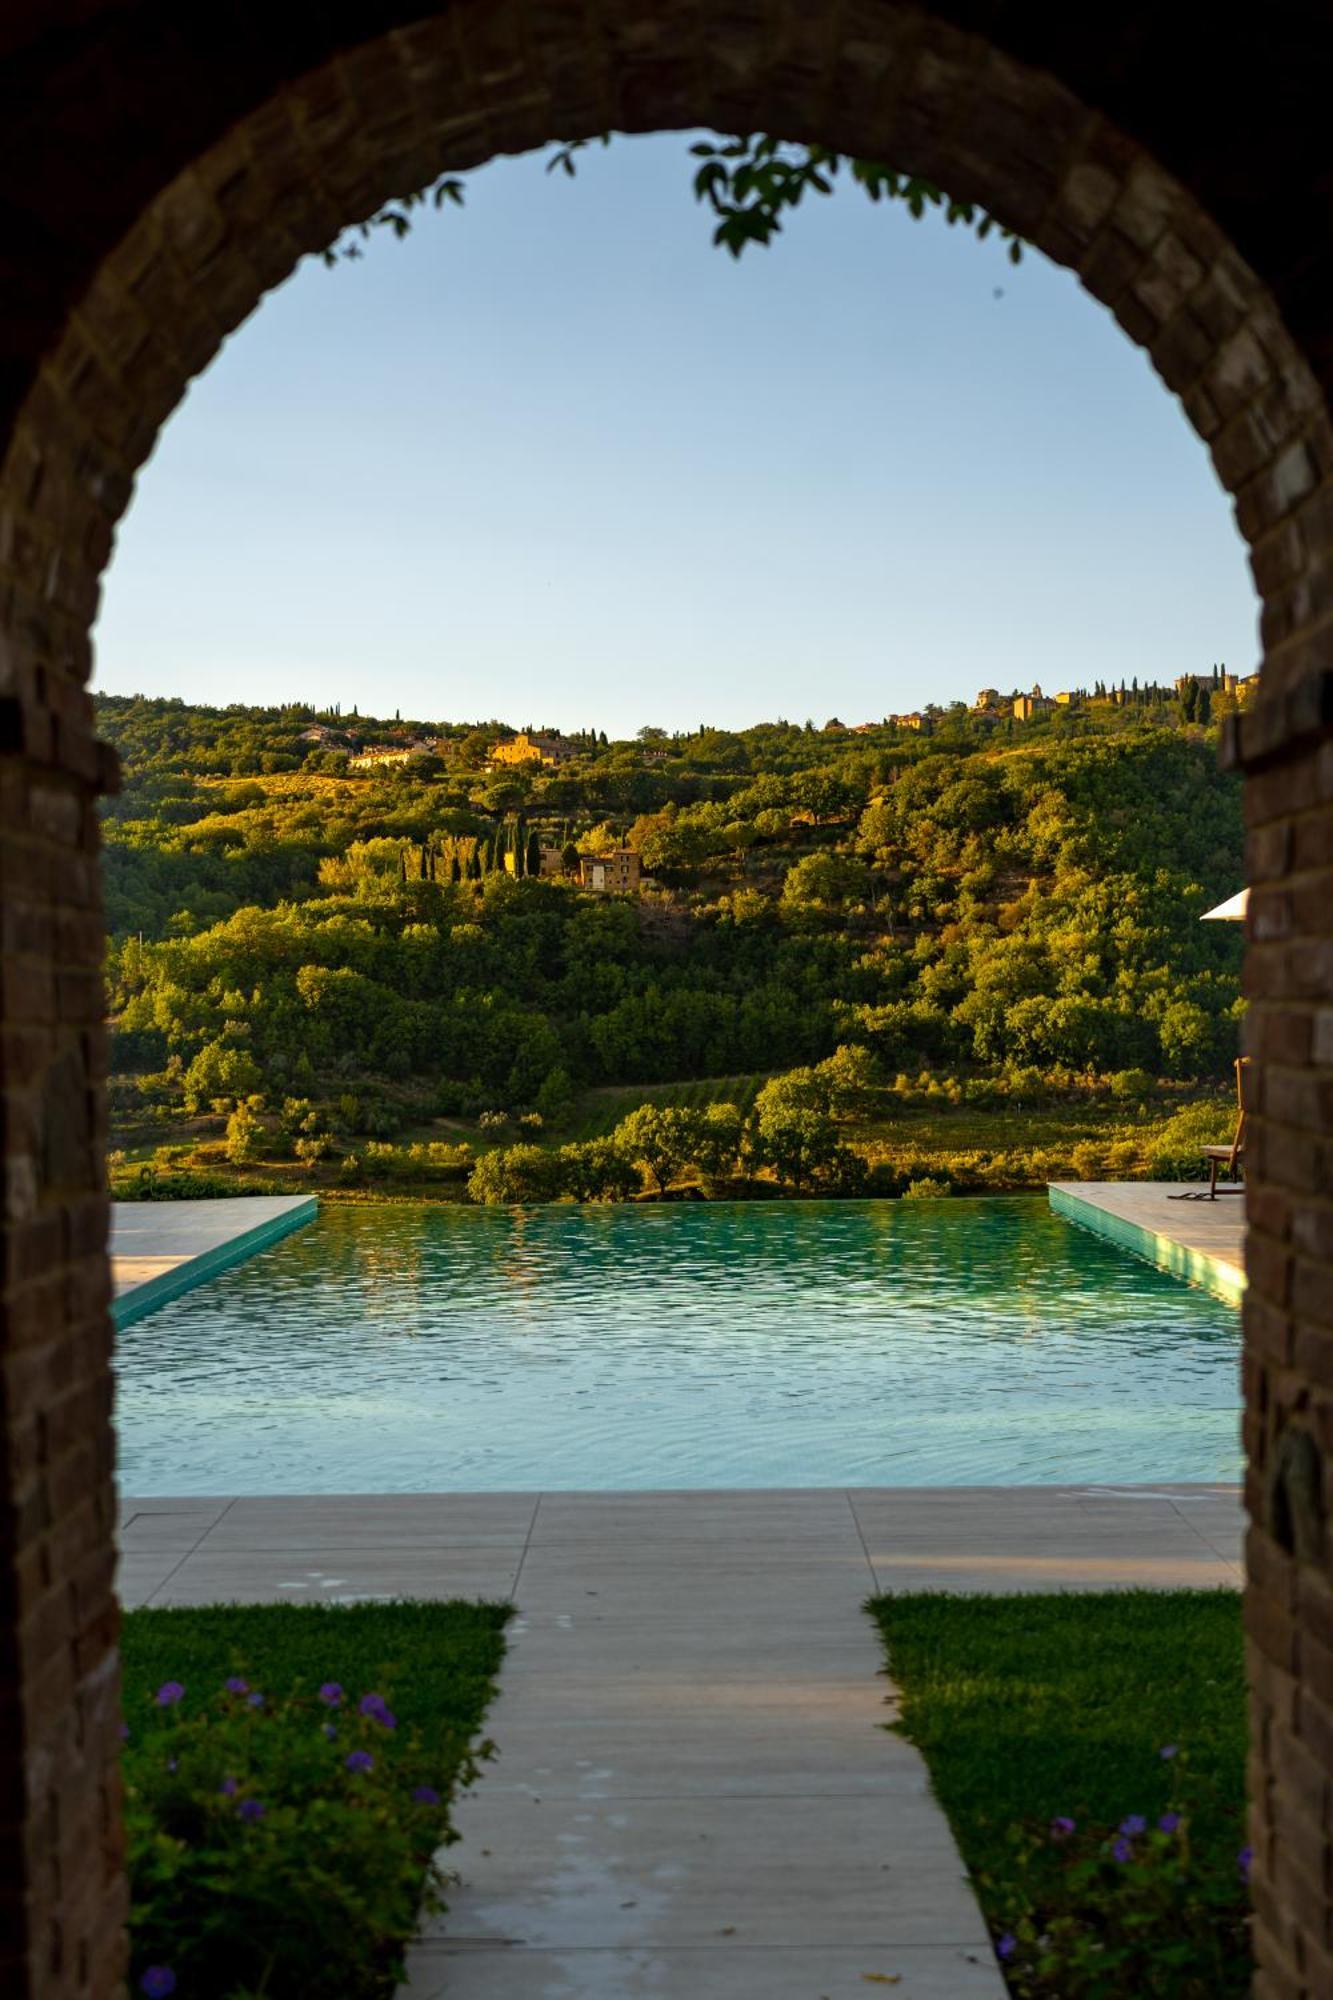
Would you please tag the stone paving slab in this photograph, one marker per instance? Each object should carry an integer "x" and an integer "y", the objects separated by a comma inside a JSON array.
[
  {"x": 850, "y": 1868},
  {"x": 695, "y": 1796},
  {"x": 723, "y": 1972}
]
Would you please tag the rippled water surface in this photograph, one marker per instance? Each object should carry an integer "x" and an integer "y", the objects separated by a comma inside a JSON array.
[{"x": 396, "y": 1349}]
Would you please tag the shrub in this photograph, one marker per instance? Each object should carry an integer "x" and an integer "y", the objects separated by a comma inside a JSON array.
[
  {"x": 926, "y": 1188},
  {"x": 515, "y": 1174},
  {"x": 279, "y": 1846},
  {"x": 1177, "y": 1152},
  {"x": 717, "y": 1141},
  {"x": 220, "y": 1074},
  {"x": 1136, "y": 1908},
  {"x": 555, "y": 1095},
  {"x": 851, "y": 1075},
  {"x": 1132, "y": 1086},
  {"x": 662, "y": 1136},
  {"x": 799, "y": 1144},
  {"x": 244, "y": 1134},
  {"x": 597, "y": 1170}
]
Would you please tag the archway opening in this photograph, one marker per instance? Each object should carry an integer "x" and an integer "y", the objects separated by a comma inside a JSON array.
[{"x": 204, "y": 248}]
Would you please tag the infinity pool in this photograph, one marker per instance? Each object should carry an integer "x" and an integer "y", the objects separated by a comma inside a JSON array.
[{"x": 398, "y": 1349}]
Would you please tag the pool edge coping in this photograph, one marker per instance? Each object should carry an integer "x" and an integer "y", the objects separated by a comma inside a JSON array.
[
  {"x": 142, "y": 1299},
  {"x": 1217, "y": 1275}
]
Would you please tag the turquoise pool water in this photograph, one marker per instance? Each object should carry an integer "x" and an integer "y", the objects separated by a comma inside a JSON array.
[{"x": 394, "y": 1349}]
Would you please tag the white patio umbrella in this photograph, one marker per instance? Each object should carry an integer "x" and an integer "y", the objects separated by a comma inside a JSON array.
[{"x": 1232, "y": 911}]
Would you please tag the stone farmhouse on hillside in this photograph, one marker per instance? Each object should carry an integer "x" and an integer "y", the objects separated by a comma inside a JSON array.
[{"x": 526, "y": 747}]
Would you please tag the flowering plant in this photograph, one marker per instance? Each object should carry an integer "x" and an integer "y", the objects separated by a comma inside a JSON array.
[
  {"x": 1147, "y": 1907},
  {"x": 281, "y": 1846}
]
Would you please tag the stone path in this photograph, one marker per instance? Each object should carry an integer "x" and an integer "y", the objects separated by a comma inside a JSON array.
[{"x": 695, "y": 1795}]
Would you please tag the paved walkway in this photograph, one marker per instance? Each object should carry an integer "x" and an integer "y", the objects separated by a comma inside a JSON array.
[{"x": 695, "y": 1798}]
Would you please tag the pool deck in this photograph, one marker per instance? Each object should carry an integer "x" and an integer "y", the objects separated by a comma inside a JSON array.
[
  {"x": 1202, "y": 1241},
  {"x": 160, "y": 1249},
  {"x": 695, "y": 1796}
]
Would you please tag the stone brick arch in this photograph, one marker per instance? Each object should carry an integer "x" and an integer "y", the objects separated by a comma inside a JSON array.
[{"x": 216, "y": 153}]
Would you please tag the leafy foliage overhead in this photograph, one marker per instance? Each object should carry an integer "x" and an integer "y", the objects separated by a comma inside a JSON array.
[{"x": 749, "y": 181}]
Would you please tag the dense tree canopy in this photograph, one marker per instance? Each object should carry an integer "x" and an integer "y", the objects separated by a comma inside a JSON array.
[{"x": 980, "y": 899}]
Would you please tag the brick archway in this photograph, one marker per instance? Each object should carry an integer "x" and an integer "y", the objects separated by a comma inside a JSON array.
[{"x": 215, "y": 156}]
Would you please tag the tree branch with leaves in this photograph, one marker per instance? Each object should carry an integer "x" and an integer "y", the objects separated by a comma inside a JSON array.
[{"x": 750, "y": 182}]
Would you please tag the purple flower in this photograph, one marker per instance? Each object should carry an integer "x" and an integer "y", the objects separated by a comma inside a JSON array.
[
  {"x": 330, "y": 1732},
  {"x": 168, "y": 1695},
  {"x": 1136, "y": 1823},
  {"x": 1169, "y": 1822},
  {"x": 426, "y": 1795},
  {"x": 250, "y": 1809},
  {"x": 237, "y": 1686},
  {"x": 360, "y": 1760},
  {"x": 1167, "y": 1751},
  {"x": 1122, "y": 1851},
  {"x": 158, "y": 1981},
  {"x": 372, "y": 1705},
  {"x": 228, "y": 1787},
  {"x": 256, "y": 1701},
  {"x": 171, "y": 1763},
  {"x": 331, "y": 1693},
  {"x": 1006, "y": 1946},
  {"x": 1244, "y": 1861},
  {"x": 1061, "y": 1827},
  {"x": 124, "y": 1732}
]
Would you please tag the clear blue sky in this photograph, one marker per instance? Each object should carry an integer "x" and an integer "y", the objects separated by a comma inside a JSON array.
[{"x": 556, "y": 459}]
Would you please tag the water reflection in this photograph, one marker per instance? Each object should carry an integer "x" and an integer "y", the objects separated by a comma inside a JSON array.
[{"x": 396, "y": 1349}]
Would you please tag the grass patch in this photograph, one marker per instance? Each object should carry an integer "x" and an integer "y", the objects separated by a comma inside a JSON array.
[
  {"x": 1029, "y": 1709},
  {"x": 440, "y": 1659},
  {"x": 282, "y": 1828}
]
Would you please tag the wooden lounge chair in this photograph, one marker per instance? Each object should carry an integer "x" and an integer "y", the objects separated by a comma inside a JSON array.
[{"x": 1229, "y": 1156}]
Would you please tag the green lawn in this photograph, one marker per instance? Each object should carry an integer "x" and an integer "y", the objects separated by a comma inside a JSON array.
[
  {"x": 1032, "y": 1708},
  {"x": 440, "y": 1659},
  {"x": 282, "y": 1828}
]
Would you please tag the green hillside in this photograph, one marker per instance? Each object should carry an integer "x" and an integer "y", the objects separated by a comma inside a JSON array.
[{"x": 311, "y": 957}]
